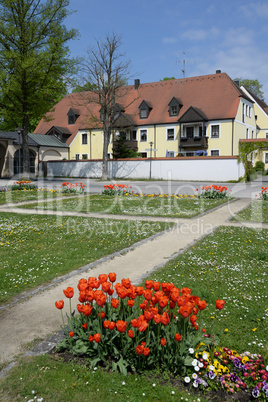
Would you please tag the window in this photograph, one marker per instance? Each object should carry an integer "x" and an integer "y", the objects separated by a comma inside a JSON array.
[
  {"x": 77, "y": 156},
  {"x": 266, "y": 135},
  {"x": 247, "y": 134},
  {"x": 215, "y": 152},
  {"x": 144, "y": 113},
  {"x": 243, "y": 113},
  {"x": 246, "y": 110},
  {"x": 170, "y": 154},
  {"x": 143, "y": 154},
  {"x": 252, "y": 134},
  {"x": 174, "y": 110},
  {"x": 249, "y": 111},
  {"x": 170, "y": 134},
  {"x": 266, "y": 157},
  {"x": 134, "y": 135},
  {"x": 84, "y": 156},
  {"x": 143, "y": 135},
  {"x": 84, "y": 139},
  {"x": 189, "y": 132},
  {"x": 215, "y": 131},
  {"x": 71, "y": 119},
  {"x": 174, "y": 107}
]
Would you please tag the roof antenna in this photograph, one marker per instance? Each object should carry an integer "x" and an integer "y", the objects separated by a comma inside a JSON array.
[{"x": 184, "y": 61}]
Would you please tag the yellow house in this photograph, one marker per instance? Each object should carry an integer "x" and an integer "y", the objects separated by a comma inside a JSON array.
[{"x": 204, "y": 115}]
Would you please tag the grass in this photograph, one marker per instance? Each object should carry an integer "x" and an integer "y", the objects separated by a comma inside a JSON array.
[
  {"x": 255, "y": 212},
  {"x": 27, "y": 195},
  {"x": 53, "y": 379},
  {"x": 230, "y": 264},
  {"x": 36, "y": 249},
  {"x": 176, "y": 207}
]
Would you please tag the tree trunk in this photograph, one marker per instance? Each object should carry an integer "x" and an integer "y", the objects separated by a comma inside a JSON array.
[
  {"x": 25, "y": 149},
  {"x": 106, "y": 138}
]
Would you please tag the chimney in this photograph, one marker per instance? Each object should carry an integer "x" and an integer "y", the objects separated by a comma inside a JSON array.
[
  {"x": 218, "y": 71},
  {"x": 237, "y": 82},
  {"x": 137, "y": 83}
]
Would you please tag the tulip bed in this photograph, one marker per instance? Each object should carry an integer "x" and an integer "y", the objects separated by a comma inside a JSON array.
[{"x": 132, "y": 328}]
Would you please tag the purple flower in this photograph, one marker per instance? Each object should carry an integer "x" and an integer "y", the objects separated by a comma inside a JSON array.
[
  {"x": 255, "y": 392},
  {"x": 237, "y": 363},
  {"x": 234, "y": 377},
  {"x": 211, "y": 375}
]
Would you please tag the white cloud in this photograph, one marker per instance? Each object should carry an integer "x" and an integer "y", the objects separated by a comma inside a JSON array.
[
  {"x": 259, "y": 9},
  {"x": 200, "y": 34}
]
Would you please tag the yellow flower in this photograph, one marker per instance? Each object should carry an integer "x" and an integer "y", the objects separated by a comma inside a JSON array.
[
  {"x": 254, "y": 329},
  {"x": 226, "y": 330},
  {"x": 245, "y": 359}
]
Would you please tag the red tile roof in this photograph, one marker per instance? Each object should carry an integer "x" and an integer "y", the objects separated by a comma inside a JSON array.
[{"x": 216, "y": 96}]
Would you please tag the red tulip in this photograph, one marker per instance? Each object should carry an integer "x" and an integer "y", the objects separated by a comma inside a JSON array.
[
  {"x": 177, "y": 337},
  {"x": 130, "y": 333},
  {"x": 112, "y": 276},
  {"x": 121, "y": 326},
  {"x": 220, "y": 304},
  {"x": 69, "y": 292},
  {"x": 59, "y": 304},
  {"x": 146, "y": 351},
  {"x": 71, "y": 334},
  {"x": 163, "y": 341},
  {"x": 112, "y": 325},
  {"x": 115, "y": 303},
  {"x": 91, "y": 338},
  {"x": 97, "y": 338}
]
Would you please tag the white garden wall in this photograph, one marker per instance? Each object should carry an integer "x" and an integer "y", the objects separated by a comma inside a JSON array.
[{"x": 196, "y": 168}]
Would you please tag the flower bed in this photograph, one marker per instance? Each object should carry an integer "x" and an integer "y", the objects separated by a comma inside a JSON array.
[
  {"x": 264, "y": 194},
  {"x": 70, "y": 188},
  {"x": 213, "y": 192},
  {"x": 23, "y": 185},
  {"x": 115, "y": 189},
  {"x": 132, "y": 328}
]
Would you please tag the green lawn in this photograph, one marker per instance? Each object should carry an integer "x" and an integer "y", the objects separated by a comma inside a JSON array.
[
  {"x": 256, "y": 212},
  {"x": 36, "y": 249},
  {"x": 54, "y": 380},
  {"x": 177, "y": 207},
  {"x": 27, "y": 195},
  {"x": 230, "y": 264}
]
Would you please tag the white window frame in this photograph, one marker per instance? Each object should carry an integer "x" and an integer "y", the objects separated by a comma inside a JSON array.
[
  {"x": 247, "y": 134},
  {"x": 82, "y": 156},
  {"x": 212, "y": 125},
  {"x": 252, "y": 133},
  {"x": 266, "y": 157},
  {"x": 170, "y": 128},
  {"x": 171, "y": 156},
  {"x": 249, "y": 111},
  {"x": 213, "y": 150},
  {"x": 140, "y": 134},
  {"x": 246, "y": 110},
  {"x": 266, "y": 134},
  {"x": 82, "y": 143},
  {"x": 77, "y": 157}
]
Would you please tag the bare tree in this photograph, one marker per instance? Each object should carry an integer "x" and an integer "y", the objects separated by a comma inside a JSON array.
[{"x": 106, "y": 69}]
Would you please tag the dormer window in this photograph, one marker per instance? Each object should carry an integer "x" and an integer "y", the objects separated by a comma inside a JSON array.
[
  {"x": 144, "y": 110},
  {"x": 174, "y": 107},
  {"x": 72, "y": 116}
]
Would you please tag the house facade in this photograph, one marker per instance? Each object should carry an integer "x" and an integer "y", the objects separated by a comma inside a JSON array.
[
  {"x": 204, "y": 115},
  {"x": 261, "y": 117},
  {"x": 42, "y": 148}
]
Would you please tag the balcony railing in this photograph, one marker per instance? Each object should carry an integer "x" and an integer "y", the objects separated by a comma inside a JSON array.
[{"x": 194, "y": 142}]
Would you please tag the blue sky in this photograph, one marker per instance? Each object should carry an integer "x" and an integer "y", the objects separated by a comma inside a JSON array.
[{"x": 157, "y": 35}]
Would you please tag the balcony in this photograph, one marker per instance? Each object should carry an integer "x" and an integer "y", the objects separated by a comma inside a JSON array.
[
  {"x": 194, "y": 142},
  {"x": 130, "y": 144}
]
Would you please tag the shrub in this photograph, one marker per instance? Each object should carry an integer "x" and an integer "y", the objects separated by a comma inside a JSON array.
[{"x": 259, "y": 166}]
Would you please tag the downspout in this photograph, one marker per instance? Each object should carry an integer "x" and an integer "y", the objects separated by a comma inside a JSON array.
[
  {"x": 179, "y": 143},
  {"x": 233, "y": 137},
  {"x": 154, "y": 140},
  {"x": 90, "y": 145}
]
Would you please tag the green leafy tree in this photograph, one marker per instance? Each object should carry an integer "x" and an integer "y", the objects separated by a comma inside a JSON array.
[
  {"x": 34, "y": 63},
  {"x": 107, "y": 69},
  {"x": 252, "y": 85},
  {"x": 83, "y": 88},
  {"x": 168, "y": 78}
]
